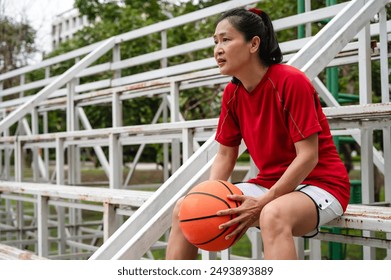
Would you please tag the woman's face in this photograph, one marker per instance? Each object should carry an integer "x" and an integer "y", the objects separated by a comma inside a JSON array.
[{"x": 232, "y": 52}]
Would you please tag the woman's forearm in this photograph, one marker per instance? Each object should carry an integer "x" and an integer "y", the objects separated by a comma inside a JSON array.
[
  {"x": 299, "y": 169},
  {"x": 224, "y": 163}
]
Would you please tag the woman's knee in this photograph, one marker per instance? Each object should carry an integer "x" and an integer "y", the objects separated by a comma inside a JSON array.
[
  {"x": 177, "y": 208},
  {"x": 272, "y": 218}
]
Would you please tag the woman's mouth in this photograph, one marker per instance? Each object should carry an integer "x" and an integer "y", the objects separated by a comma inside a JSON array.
[{"x": 221, "y": 62}]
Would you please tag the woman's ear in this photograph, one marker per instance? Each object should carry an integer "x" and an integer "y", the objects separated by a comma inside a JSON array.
[{"x": 255, "y": 43}]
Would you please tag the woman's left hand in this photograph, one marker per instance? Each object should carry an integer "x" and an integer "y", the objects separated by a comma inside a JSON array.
[{"x": 247, "y": 214}]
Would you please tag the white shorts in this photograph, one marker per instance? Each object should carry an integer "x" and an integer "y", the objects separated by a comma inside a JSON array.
[{"x": 327, "y": 206}]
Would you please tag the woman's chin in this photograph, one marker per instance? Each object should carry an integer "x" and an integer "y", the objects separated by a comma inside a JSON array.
[{"x": 224, "y": 71}]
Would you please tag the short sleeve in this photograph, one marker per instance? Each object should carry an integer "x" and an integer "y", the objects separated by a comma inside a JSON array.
[
  {"x": 300, "y": 106},
  {"x": 228, "y": 130}
]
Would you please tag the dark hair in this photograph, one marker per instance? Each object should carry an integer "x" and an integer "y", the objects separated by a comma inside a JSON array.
[{"x": 255, "y": 22}]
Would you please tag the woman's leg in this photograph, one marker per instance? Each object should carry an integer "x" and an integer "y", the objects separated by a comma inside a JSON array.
[
  {"x": 178, "y": 247},
  {"x": 293, "y": 214}
]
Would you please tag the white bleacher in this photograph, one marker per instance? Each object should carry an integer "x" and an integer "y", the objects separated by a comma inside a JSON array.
[{"x": 343, "y": 41}]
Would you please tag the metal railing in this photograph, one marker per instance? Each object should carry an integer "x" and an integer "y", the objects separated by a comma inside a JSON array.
[{"x": 141, "y": 231}]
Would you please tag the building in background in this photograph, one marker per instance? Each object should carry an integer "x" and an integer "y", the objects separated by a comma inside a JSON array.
[{"x": 66, "y": 24}]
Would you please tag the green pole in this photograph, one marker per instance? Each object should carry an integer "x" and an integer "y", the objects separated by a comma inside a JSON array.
[{"x": 300, "y": 10}]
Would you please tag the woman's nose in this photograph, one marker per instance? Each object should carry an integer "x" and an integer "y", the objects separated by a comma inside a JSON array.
[{"x": 218, "y": 50}]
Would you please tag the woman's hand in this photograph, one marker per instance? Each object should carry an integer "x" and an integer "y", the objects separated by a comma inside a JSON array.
[{"x": 247, "y": 214}]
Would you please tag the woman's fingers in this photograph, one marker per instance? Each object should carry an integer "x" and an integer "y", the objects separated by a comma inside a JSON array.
[
  {"x": 232, "y": 211},
  {"x": 230, "y": 223},
  {"x": 244, "y": 216},
  {"x": 237, "y": 197},
  {"x": 239, "y": 230}
]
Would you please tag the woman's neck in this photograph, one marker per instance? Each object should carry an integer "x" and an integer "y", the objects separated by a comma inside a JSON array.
[{"x": 252, "y": 76}]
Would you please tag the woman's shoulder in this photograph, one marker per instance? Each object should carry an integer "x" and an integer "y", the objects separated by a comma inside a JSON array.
[
  {"x": 229, "y": 90},
  {"x": 287, "y": 72},
  {"x": 286, "y": 69},
  {"x": 231, "y": 86}
]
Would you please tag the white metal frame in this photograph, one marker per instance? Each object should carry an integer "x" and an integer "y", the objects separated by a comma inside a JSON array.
[{"x": 140, "y": 232}]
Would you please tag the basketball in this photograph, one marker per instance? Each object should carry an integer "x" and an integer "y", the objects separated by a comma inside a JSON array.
[{"x": 198, "y": 219}]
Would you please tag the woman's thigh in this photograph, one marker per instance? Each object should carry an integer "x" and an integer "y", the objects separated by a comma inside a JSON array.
[{"x": 296, "y": 210}]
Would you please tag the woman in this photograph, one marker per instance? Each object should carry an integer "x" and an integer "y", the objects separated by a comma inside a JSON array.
[{"x": 302, "y": 183}]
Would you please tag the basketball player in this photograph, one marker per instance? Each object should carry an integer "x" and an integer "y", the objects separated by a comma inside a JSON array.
[{"x": 302, "y": 183}]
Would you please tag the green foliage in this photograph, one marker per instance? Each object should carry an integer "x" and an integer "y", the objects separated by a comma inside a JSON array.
[
  {"x": 16, "y": 46},
  {"x": 117, "y": 17}
]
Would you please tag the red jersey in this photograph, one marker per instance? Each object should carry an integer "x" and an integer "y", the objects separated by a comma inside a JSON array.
[{"x": 284, "y": 108}]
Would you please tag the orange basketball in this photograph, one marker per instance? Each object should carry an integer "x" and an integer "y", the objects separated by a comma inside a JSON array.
[{"x": 198, "y": 219}]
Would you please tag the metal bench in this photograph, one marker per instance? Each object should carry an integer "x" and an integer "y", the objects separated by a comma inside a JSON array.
[
  {"x": 109, "y": 201},
  {"x": 12, "y": 253}
]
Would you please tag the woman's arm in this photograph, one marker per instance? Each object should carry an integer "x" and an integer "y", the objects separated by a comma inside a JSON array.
[
  {"x": 224, "y": 163},
  {"x": 248, "y": 213},
  {"x": 305, "y": 161}
]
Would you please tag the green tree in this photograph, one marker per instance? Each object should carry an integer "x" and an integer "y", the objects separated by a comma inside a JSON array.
[
  {"x": 116, "y": 17},
  {"x": 16, "y": 45}
]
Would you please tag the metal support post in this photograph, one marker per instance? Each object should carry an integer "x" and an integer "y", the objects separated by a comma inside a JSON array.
[
  {"x": 367, "y": 178},
  {"x": 19, "y": 221},
  {"x": 299, "y": 244},
  {"x": 117, "y": 122},
  {"x": 174, "y": 104},
  {"x": 163, "y": 36},
  {"x": 116, "y": 58},
  {"x": 115, "y": 166},
  {"x": 1, "y": 162},
  {"x": 35, "y": 131},
  {"x": 225, "y": 254},
  {"x": 254, "y": 236},
  {"x": 116, "y": 109},
  {"x": 315, "y": 249},
  {"x": 166, "y": 156},
  {"x": 47, "y": 72},
  {"x": 60, "y": 161},
  {"x": 364, "y": 65},
  {"x": 175, "y": 146},
  {"x": 110, "y": 221},
  {"x": 46, "y": 150},
  {"x": 46, "y": 130},
  {"x": 19, "y": 162},
  {"x": 163, "y": 64},
  {"x": 367, "y": 167},
  {"x": 61, "y": 233},
  {"x": 19, "y": 168},
  {"x": 60, "y": 180},
  {"x": 7, "y": 159},
  {"x": 206, "y": 255},
  {"x": 187, "y": 144},
  {"x": 22, "y": 82},
  {"x": 71, "y": 125},
  {"x": 385, "y": 93},
  {"x": 43, "y": 231}
]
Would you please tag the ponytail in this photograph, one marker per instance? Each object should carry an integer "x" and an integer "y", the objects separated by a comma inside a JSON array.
[{"x": 269, "y": 47}]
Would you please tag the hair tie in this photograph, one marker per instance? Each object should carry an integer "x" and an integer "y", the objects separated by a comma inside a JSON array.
[{"x": 256, "y": 11}]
